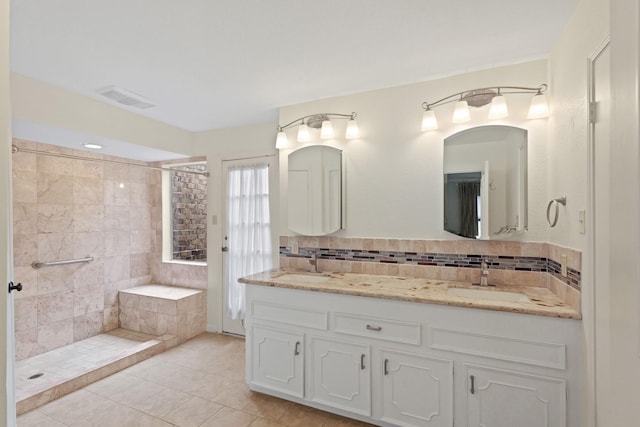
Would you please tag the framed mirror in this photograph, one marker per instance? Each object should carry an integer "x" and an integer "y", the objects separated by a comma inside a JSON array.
[
  {"x": 315, "y": 190},
  {"x": 485, "y": 182}
]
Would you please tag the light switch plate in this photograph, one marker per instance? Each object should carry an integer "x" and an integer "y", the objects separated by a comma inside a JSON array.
[{"x": 581, "y": 221}]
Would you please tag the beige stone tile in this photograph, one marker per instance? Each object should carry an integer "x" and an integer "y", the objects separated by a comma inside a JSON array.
[
  {"x": 227, "y": 417},
  {"x": 263, "y": 422},
  {"x": 56, "y": 279},
  {"x": 25, "y": 216},
  {"x": 53, "y": 335},
  {"x": 53, "y": 164},
  {"x": 116, "y": 268},
  {"x": 54, "y": 307},
  {"x": 25, "y": 250},
  {"x": 55, "y": 247},
  {"x": 88, "y": 191},
  {"x": 28, "y": 277},
  {"x": 130, "y": 318},
  {"x": 89, "y": 274},
  {"x": 88, "y": 299},
  {"x": 139, "y": 194},
  {"x": 448, "y": 246},
  {"x": 77, "y": 407},
  {"x": 88, "y": 218},
  {"x": 55, "y": 189},
  {"x": 302, "y": 416},
  {"x": 25, "y": 186},
  {"x": 573, "y": 298},
  {"x": 37, "y": 419},
  {"x": 121, "y": 415},
  {"x": 116, "y": 218},
  {"x": 266, "y": 406},
  {"x": 26, "y": 313},
  {"x": 156, "y": 403},
  {"x": 26, "y": 343},
  {"x": 193, "y": 412},
  {"x": 88, "y": 325},
  {"x": 149, "y": 322}
]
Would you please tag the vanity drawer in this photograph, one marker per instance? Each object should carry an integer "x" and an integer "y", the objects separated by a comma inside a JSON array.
[{"x": 375, "y": 327}]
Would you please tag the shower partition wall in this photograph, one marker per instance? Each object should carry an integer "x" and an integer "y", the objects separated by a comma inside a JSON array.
[{"x": 69, "y": 208}]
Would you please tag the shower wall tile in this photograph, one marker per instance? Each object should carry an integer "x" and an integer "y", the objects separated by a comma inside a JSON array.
[
  {"x": 55, "y": 246},
  {"x": 89, "y": 244},
  {"x": 116, "y": 193},
  {"x": 88, "y": 325},
  {"x": 55, "y": 189},
  {"x": 56, "y": 279},
  {"x": 116, "y": 268},
  {"x": 88, "y": 218},
  {"x": 140, "y": 241},
  {"x": 88, "y": 191},
  {"x": 26, "y": 313},
  {"x": 89, "y": 274},
  {"x": 54, "y": 218},
  {"x": 139, "y": 194},
  {"x": 26, "y": 343},
  {"x": 28, "y": 277},
  {"x": 25, "y": 250},
  {"x": 25, "y": 218},
  {"x": 116, "y": 243},
  {"x": 140, "y": 218},
  {"x": 88, "y": 169},
  {"x": 25, "y": 186},
  {"x": 54, "y": 334},
  {"x": 88, "y": 299},
  {"x": 55, "y": 307},
  {"x": 117, "y": 218},
  {"x": 140, "y": 264}
]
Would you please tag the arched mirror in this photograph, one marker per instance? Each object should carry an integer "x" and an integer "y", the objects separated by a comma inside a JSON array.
[
  {"x": 315, "y": 190},
  {"x": 485, "y": 182}
]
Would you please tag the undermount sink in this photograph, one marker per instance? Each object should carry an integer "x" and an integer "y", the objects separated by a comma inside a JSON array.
[
  {"x": 488, "y": 294},
  {"x": 304, "y": 278}
]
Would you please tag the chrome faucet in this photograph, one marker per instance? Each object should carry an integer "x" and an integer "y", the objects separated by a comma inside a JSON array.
[
  {"x": 314, "y": 261},
  {"x": 484, "y": 275}
]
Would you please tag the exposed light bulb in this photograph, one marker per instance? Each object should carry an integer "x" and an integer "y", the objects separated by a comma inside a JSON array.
[
  {"x": 93, "y": 146},
  {"x": 498, "y": 108},
  {"x": 326, "y": 131},
  {"x": 281, "y": 140},
  {"x": 461, "y": 113},
  {"x": 429, "y": 121},
  {"x": 352, "y": 129},
  {"x": 539, "y": 107},
  {"x": 303, "y": 133}
]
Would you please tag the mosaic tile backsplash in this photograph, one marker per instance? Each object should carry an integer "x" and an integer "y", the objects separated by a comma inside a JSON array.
[{"x": 510, "y": 258}]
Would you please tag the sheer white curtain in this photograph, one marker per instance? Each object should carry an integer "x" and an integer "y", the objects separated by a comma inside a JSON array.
[{"x": 249, "y": 230}]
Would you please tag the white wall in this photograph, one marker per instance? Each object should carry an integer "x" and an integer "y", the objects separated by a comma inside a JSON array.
[
  {"x": 568, "y": 164},
  {"x": 7, "y": 405},
  {"x": 394, "y": 183},
  {"x": 623, "y": 343},
  {"x": 45, "y": 104},
  {"x": 219, "y": 145}
]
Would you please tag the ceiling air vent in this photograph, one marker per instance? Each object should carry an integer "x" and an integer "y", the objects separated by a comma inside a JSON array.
[{"x": 125, "y": 97}]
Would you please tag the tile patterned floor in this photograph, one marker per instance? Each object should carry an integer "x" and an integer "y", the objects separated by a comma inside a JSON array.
[{"x": 198, "y": 383}]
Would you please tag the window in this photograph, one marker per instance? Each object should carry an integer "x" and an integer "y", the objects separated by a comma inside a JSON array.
[{"x": 185, "y": 213}]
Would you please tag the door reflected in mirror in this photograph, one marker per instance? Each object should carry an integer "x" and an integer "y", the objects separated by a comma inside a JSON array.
[
  {"x": 485, "y": 182},
  {"x": 315, "y": 190}
]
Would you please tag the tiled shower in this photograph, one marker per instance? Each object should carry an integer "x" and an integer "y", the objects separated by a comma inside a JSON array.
[{"x": 66, "y": 208}]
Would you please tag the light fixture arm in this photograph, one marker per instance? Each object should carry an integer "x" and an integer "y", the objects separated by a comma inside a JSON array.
[
  {"x": 485, "y": 91},
  {"x": 351, "y": 116}
]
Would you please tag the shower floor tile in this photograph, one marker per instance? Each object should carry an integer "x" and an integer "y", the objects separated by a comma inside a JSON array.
[{"x": 48, "y": 376}]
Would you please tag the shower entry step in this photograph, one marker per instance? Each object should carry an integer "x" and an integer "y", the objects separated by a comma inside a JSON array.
[
  {"x": 49, "y": 376},
  {"x": 160, "y": 309}
]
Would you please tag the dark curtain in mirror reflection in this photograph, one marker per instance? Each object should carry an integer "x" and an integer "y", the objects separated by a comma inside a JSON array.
[
  {"x": 461, "y": 195},
  {"x": 469, "y": 193}
]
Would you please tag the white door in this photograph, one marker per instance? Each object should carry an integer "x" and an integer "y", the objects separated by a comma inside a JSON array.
[
  {"x": 416, "y": 390},
  {"x": 7, "y": 397},
  {"x": 247, "y": 185},
  {"x": 341, "y": 375},
  {"x": 500, "y": 398}
]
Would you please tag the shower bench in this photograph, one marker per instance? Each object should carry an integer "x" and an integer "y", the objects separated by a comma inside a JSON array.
[{"x": 160, "y": 309}]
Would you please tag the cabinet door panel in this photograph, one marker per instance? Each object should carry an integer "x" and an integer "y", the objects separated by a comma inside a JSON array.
[
  {"x": 277, "y": 360},
  {"x": 416, "y": 390},
  {"x": 342, "y": 375},
  {"x": 501, "y": 398}
]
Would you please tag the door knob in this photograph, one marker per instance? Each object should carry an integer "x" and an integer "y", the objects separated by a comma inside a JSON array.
[{"x": 13, "y": 287}]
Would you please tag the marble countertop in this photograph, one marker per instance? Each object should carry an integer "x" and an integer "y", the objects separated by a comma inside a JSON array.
[{"x": 541, "y": 302}]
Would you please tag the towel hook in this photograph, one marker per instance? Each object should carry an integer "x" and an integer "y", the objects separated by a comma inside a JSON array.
[{"x": 560, "y": 200}]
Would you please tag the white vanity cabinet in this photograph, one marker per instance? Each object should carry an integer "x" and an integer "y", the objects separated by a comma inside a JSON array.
[
  {"x": 278, "y": 359},
  {"x": 416, "y": 390},
  {"x": 341, "y": 374},
  {"x": 501, "y": 398},
  {"x": 400, "y": 363}
]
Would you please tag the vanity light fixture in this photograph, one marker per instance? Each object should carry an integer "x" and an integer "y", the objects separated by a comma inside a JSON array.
[
  {"x": 317, "y": 121},
  {"x": 539, "y": 107}
]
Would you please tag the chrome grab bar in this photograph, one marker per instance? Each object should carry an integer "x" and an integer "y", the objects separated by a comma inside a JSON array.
[{"x": 37, "y": 264}]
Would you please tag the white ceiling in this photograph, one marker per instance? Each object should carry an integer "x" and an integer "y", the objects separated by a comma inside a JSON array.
[{"x": 211, "y": 64}]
